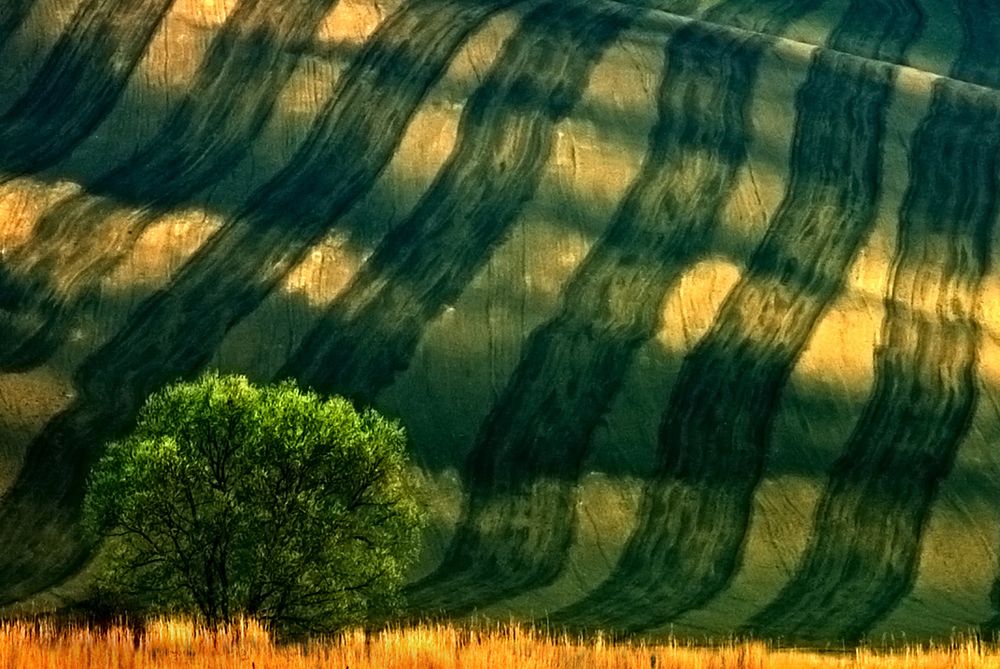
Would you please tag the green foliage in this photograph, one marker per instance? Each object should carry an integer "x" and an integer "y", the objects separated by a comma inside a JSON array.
[{"x": 230, "y": 499}]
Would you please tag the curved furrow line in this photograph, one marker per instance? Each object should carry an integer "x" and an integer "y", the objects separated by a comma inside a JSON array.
[
  {"x": 79, "y": 83},
  {"x": 12, "y": 15},
  {"x": 506, "y": 136},
  {"x": 977, "y": 62},
  {"x": 520, "y": 517},
  {"x": 715, "y": 431},
  {"x": 175, "y": 331},
  {"x": 84, "y": 237},
  {"x": 863, "y": 552}
]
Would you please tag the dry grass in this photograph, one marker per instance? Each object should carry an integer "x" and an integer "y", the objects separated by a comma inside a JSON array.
[{"x": 177, "y": 644}]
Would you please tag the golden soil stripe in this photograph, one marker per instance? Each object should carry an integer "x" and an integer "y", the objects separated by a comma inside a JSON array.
[
  {"x": 79, "y": 83},
  {"x": 863, "y": 551},
  {"x": 82, "y": 238},
  {"x": 520, "y": 517},
  {"x": 715, "y": 430},
  {"x": 174, "y": 332}
]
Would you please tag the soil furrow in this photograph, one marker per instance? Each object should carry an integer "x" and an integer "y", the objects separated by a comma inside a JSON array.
[
  {"x": 521, "y": 514},
  {"x": 12, "y": 15},
  {"x": 175, "y": 331},
  {"x": 863, "y": 551},
  {"x": 84, "y": 237},
  {"x": 79, "y": 83},
  {"x": 715, "y": 430}
]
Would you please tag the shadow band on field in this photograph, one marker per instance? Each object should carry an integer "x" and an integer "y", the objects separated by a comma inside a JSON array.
[
  {"x": 12, "y": 15},
  {"x": 79, "y": 83}
]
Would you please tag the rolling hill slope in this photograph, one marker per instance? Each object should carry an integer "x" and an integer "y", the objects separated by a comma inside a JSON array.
[{"x": 689, "y": 306}]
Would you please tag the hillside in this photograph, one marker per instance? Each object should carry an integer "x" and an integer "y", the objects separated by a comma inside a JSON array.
[{"x": 689, "y": 307}]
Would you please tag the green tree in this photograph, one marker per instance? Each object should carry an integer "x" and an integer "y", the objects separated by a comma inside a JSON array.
[{"x": 231, "y": 499}]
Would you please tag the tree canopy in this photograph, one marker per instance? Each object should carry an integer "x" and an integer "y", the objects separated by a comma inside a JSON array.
[{"x": 231, "y": 499}]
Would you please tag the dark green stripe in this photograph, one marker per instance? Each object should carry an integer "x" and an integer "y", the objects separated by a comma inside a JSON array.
[
  {"x": 79, "y": 83},
  {"x": 12, "y": 15},
  {"x": 81, "y": 239}
]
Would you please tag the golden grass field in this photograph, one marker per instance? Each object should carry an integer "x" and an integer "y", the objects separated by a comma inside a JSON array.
[{"x": 178, "y": 644}]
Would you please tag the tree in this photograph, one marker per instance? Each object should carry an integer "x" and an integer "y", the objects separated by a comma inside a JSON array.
[{"x": 230, "y": 499}]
